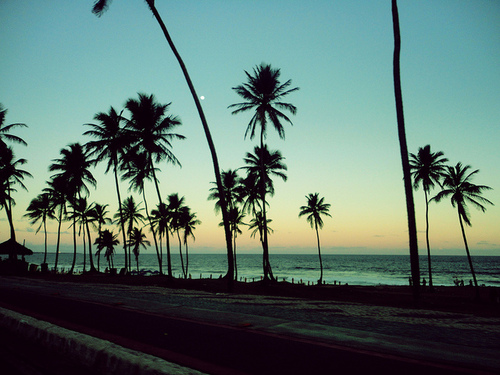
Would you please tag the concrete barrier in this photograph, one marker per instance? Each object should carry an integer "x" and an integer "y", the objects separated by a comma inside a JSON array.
[{"x": 101, "y": 356}]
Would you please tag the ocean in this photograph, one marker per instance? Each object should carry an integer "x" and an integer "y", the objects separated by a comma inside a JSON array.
[{"x": 351, "y": 269}]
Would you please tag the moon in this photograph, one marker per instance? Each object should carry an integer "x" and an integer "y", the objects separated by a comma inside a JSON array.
[{"x": 202, "y": 97}]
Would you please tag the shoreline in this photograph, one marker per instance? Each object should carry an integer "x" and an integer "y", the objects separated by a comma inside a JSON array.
[{"x": 444, "y": 298}]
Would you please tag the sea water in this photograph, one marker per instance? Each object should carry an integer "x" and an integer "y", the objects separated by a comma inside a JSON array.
[{"x": 350, "y": 269}]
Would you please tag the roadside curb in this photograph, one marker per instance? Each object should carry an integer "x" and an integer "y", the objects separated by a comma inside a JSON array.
[{"x": 99, "y": 355}]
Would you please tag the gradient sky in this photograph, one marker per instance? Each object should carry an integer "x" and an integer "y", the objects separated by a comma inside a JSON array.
[{"x": 60, "y": 65}]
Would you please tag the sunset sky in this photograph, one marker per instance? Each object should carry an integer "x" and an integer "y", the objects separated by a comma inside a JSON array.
[{"x": 60, "y": 65}]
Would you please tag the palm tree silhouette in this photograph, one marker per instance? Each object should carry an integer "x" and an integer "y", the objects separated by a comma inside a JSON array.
[
  {"x": 159, "y": 223},
  {"x": 111, "y": 143},
  {"x": 73, "y": 167},
  {"x": 98, "y": 218},
  {"x": 315, "y": 208},
  {"x": 176, "y": 209},
  {"x": 236, "y": 217},
  {"x": 261, "y": 165},
  {"x": 427, "y": 170},
  {"x": 40, "y": 210},
  {"x": 100, "y": 6},
  {"x": 263, "y": 93},
  {"x": 130, "y": 216},
  {"x": 5, "y": 130},
  {"x": 231, "y": 184},
  {"x": 136, "y": 241},
  {"x": 188, "y": 223},
  {"x": 151, "y": 127},
  {"x": 107, "y": 241},
  {"x": 83, "y": 213},
  {"x": 410, "y": 206},
  {"x": 58, "y": 192},
  {"x": 10, "y": 175},
  {"x": 458, "y": 187},
  {"x": 137, "y": 169}
]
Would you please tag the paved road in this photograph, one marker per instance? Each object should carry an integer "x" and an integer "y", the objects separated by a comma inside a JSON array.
[{"x": 265, "y": 335}]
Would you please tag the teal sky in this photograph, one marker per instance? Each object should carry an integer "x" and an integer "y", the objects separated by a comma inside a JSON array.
[{"x": 60, "y": 65}]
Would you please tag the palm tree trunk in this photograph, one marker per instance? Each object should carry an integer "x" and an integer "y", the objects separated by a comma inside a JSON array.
[
  {"x": 58, "y": 237},
  {"x": 468, "y": 256},
  {"x": 235, "y": 263},
  {"x": 115, "y": 167},
  {"x": 187, "y": 259},
  {"x": 74, "y": 246},
  {"x": 45, "y": 241},
  {"x": 152, "y": 231},
  {"x": 320, "y": 281},
  {"x": 225, "y": 216},
  {"x": 431, "y": 286},
  {"x": 84, "y": 247},
  {"x": 7, "y": 206},
  {"x": 410, "y": 207},
  {"x": 91, "y": 261},
  {"x": 180, "y": 252}
]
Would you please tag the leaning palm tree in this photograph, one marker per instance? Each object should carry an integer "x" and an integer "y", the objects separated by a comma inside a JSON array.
[
  {"x": 315, "y": 208},
  {"x": 410, "y": 206},
  {"x": 111, "y": 142},
  {"x": 136, "y": 241},
  {"x": 73, "y": 167},
  {"x": 100, "y": 6},
  {"x": 427, "y": 170},
  {"x": 458, "y": 187},
  {"x": 262, "y": 165},
  {"x": 40, "y": 210}
]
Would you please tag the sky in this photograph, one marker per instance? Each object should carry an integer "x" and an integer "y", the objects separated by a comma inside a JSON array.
[{"x": 60, "y": 65}]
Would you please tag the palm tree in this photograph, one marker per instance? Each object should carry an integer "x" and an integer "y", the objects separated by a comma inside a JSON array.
[
  {"x": 130, "y": 216},
  {"x": 159, "y": 224},
  {"x": 39, "y": 210},
  {"x": 188, "y": 223},
  {"x": 231, "y": 184},
  {"x": 262, "y": 165},
  {"x": 458, "y": 187},
  {"x": 137, "y": 170},
  {"x": 427, "y": 170},
  {"x": 236, "y": 217},
  {"x": 256, "y": 225},
  {"x": 315, "y": 208},
  {"x": 100, "y": 6},
  {"x": 5, "y": 129},
  {"x": 263, "y": 93},
  {"x": 107, "y": 241},
  {"x": 176, "y": 209},
  {"x": 151, "y": 128},
  {"x": 98, "y": 218},
  {"x": 111, "y": 143},
  {"x": 73, "y": 168},
  {"x": 84, "y": 215},
  {"x": 10, "y": 175},
  {"x": 58, "y": 192},
  {"x": 136, "y": 241},
  {"x": 410, "y": 206}
]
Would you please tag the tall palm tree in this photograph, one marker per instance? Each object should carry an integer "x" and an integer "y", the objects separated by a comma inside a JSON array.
[
  {"x": 111, "y": 142},
  {"x": 73, "y": 167},
  {"x": 130, "y": 216},
  {"x": 315, "y": 208},
  {"x": 410, "y": 206},
  {"x": 458, "y": 187},
  {"x": 264, "y": 164},
  {"x": 231, "y": 183},
  {"x": 100, "y": 6},
  {"x": 427, "y": 170},
  {"x": 236, "y": 217},
  {"x": 39, "y": 210},
  {"x": 107, "y": 241},
  {"x": 136, "y": 241},
  {"x": 5, "y": 130}
]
